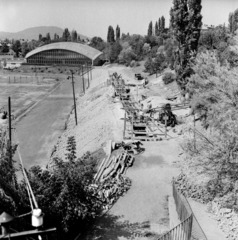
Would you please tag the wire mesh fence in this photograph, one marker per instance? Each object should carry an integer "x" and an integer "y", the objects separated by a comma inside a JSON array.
[
  {"x": 26, "y": 80},
  {"x": 181, "y": 231},
  {"x": 184, "y": 210}
]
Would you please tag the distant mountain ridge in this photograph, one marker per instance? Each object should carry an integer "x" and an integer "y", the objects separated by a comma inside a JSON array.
[{"x": 33, "y": 33}]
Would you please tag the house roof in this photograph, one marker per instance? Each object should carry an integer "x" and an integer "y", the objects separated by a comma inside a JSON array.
[{"x": 83, "y": 49}]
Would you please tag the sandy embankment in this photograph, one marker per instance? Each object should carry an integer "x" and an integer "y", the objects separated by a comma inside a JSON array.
[{"x": 99, "y": 118}]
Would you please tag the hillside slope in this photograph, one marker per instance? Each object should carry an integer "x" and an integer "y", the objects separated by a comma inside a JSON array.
[{"x": 33, "y": 33}]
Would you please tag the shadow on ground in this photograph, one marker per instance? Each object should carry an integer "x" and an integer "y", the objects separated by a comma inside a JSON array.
[{"x": 111, "y": 227}]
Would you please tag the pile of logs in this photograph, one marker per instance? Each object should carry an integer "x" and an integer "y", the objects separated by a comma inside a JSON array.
[{"x": 110, "y": 180}]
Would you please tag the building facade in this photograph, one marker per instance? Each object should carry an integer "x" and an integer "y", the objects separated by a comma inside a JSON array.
[{"x": 64, "y": 54}]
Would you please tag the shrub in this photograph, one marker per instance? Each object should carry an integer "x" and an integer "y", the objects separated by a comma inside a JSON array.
[
  {"x": 168, "y": 78},
  {"x": 133, "y": 63}
]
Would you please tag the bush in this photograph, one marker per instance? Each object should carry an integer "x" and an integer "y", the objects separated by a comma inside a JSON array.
[
  {"x": 168, "y": 78},
  {"x": 133, "y": 63}
]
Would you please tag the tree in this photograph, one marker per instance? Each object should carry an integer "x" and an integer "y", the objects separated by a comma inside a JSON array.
[
  {"x": 74, "y": 36},
  {"x": 186, "y": 21},
  {"x": 48, "y": 37},
  {"x": 136, "y": 42},
  {"x": 114, "y": 51},
  {"x": 156, "y": 29},
  {"x": 4, "y": 48},
  {"x": 126, "y": 56},
  {"x": 98, "y": 43},
  {"x": 162, "y": 26},
  {"x": 24, "y": 49},
  {"x": 16, "y": 47},
  {"x": 233, "y": 21},
  {"x": 62, "y": 191},
  {"x": 159, "y": 63},
  {"x": 159, "y": 25},
  {"x": 110, "y": 35},
  {"x": 11, "y": 193},
  {"x": 56, "y": 36},
  {"x": 118, "y": 32},
  {"x": 66, "y": 35},
  {"x": 215, "y": 100},
  {"x": 40, "y": 37},
  {"x": 150, "y": 29},
  {"x": 149, "y": 66}
]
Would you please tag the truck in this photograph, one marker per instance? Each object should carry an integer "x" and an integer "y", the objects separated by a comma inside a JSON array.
[{"x": 138, "y": 76}]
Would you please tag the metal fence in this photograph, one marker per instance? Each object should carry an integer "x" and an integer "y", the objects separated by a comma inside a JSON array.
[
  {"x": 181, "y": 231},
  {"x": 184, "y": 211},
  {"x": 26, "y": 80}
]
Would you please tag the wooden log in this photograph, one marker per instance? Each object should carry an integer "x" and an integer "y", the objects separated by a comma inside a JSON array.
[
  {"x": 109, "y": 149},
  {"x": 95, "y": 176}
]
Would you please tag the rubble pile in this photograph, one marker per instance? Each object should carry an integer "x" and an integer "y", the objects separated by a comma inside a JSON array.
[
  {"x": 109, "y": 191},
  {"x": 227, "y": 219},
  {"x": 190, "y": 190}
]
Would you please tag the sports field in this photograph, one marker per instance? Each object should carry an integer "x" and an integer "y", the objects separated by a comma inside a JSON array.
[{"x": 23, "y": 91}]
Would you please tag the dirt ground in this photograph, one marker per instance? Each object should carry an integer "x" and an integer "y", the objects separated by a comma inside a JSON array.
[{"x": 144, "y": 208}]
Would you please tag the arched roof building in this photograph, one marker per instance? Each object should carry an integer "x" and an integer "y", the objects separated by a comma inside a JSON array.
[{"x": 63, "y": 53}]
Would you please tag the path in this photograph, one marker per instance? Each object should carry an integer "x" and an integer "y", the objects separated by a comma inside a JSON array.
[
  {"x": 208, "y": 224},
  {"x": 144, "y": 208}
]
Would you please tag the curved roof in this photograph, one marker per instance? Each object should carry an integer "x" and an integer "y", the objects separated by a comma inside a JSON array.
[{"x": 83, "y": 49}]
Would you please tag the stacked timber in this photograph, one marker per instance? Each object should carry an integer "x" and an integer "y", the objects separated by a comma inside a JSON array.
[{"x": 110, "y": 180}]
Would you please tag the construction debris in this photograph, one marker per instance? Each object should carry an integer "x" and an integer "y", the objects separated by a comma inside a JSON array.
[{"x": 110, "y": 180}]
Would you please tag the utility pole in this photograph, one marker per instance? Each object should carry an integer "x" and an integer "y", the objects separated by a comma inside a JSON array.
[
  {"x": 194, "y": 133},
  {"x": 10, "y": 128},
  {"x": 124, "y": 132},
  {"x": 88, "y": 75},
  {"x": 91, "y": 68},
  {"x": 75, "y": 111},
  {"x": 83, "y": 81}
]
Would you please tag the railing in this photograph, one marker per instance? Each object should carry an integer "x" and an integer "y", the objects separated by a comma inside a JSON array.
[
  {"x": 181, "y": 231},
  {"x": 184, "y": 210}
]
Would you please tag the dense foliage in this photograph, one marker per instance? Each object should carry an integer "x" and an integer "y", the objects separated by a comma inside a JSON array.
[
  {"x": 186, "y": 22},
  {"x": 12, "y": 198},
  {"x": 60, "y": 190},
  {"x": 233, "y": 21},
  {"x": 214, "y": 91},
  {"x": 168, "y": 78}
]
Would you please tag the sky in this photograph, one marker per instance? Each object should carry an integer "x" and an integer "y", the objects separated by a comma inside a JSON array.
[{"x": 92, "y": 17}]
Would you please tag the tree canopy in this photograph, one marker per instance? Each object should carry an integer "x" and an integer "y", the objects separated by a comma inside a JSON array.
[
  {"x": 186, "y": 22},
  {"x": 150, "y": 29},
  {"x": 110, "y": 35}
]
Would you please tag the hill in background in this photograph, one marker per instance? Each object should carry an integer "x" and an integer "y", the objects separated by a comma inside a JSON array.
[{"x": 33, "y": 33}]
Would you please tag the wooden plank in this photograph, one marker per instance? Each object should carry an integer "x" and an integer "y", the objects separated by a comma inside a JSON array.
[
  {"x": 109, "y": 149},
  {"x": 95, "y": 176},
  {"x": 148, "y": 133},
  {"x": 146, "y": 138}
]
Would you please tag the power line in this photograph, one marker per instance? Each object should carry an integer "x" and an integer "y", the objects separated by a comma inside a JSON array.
[{"x": 32, "y": 198}]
